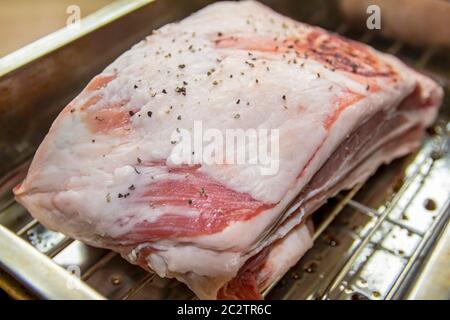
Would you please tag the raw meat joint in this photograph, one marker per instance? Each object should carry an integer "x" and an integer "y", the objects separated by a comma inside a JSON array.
[{"x": 102, "y": 174}]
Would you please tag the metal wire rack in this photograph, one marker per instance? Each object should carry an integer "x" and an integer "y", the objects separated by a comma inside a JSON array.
[{"x": 369, "y": 241}]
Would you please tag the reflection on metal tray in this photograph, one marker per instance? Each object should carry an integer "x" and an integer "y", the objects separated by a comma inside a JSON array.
[{"x": 369, "y": 242}]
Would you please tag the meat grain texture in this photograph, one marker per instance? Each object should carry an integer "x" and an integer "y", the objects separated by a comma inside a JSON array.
[{"x": 104, "y": 174}]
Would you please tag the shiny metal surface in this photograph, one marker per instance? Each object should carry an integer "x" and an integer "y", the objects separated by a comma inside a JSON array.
[
  {"x": 433, "y": 281},
  {"x": 369, "y": 242},
  {"x": 38, "y": 272}
]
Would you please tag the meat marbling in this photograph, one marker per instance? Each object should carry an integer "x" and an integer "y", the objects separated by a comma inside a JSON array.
[{"x": 104, "y": 174}]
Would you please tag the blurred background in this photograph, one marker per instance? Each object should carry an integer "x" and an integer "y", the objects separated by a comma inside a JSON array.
[
  {"x": 24, "y": 21},
  {"x": 419, "y": 22}
]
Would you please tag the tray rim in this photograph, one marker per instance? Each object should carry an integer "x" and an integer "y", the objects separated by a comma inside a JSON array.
[{"x": 68, "y": 34}]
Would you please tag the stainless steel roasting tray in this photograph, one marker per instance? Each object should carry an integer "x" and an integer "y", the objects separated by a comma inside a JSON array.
[{"x": 386, "y": 239}]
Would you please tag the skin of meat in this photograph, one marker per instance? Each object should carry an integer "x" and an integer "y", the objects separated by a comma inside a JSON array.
[{"x": 103, "y": 173}]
